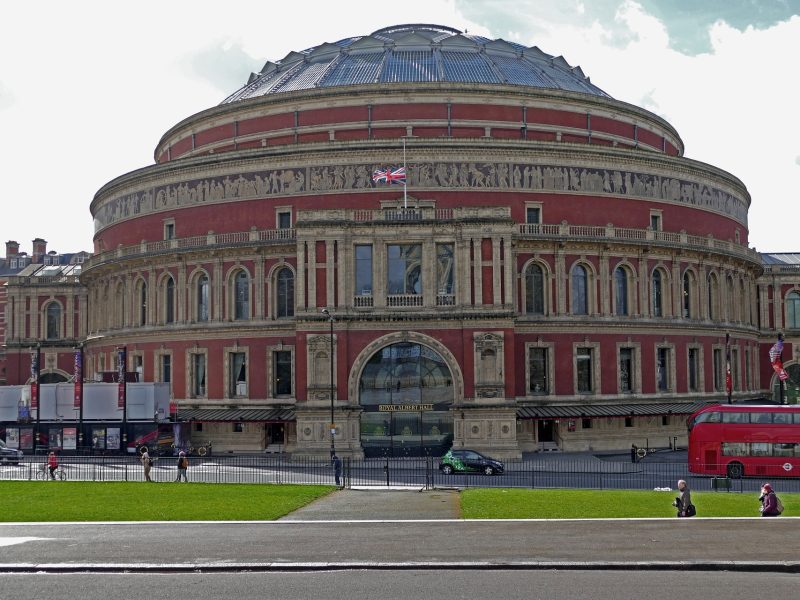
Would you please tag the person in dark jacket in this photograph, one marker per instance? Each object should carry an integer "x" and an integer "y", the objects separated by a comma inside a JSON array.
[
  {"x": 769, "y": 501},
  {"x": 337, "y": 470},
  {"x": 684, "y": 501}
]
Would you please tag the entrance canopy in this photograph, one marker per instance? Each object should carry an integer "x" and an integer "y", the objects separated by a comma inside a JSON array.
[
  {"x": 263, "y": 415},
  {"x": 579, "y": 411}
]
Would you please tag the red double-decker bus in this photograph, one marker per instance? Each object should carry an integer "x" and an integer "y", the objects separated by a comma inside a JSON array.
[{"x": 745, "y": 440}]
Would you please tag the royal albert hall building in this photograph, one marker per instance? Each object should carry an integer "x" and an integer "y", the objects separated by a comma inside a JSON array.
[{"x": 555, "y": 274}]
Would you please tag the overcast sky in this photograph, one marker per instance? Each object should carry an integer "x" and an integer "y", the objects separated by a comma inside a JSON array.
[{"x": 87, "y": 88}]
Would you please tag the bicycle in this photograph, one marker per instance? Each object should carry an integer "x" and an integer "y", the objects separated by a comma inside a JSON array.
[{"x": 43, "y": 474}]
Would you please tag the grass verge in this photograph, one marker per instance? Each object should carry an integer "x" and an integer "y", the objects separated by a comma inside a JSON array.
[
  {"x": 594, "y": 504},
  {"x": 125, "y": 501}
]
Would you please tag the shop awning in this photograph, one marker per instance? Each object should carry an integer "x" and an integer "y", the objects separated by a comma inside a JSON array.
[
  {"x": 263, "y": 415},
  {"x": 588, "y": 411}
]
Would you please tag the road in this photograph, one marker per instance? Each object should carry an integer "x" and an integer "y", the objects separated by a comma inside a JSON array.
[
  {"x": 402, "y": 585},
  {"x": 564, "y": 471},
  {"x": 442, "y": 543}
]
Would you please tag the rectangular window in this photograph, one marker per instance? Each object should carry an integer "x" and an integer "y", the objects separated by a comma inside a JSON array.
[
  {"x": 282, "y": 369},
  {"x": 284, "y": 220},
  {"x": 169, "y": 231},
  {"x": 694, "y": 366},
  {"x": 664, "y": 421},
  {"x": 586, "y": 423},
  {"x": 628, "y": 421},
  {"x": 444, "y": 269},
  {"x": 166, "y": 368},
  {"x": 662, "y": 369},
  {"x": 533, "y": 215},
  {"x": 718, "y": 371},
  {"x": 736, "y": 417},
  {"x": 734, "y": 449},
  {"x": 537, "y": 363},
  {"x": 655, "y": 222},
  {"x": 626, "y": 370},
  {"x": 238, "y": 375},
  {"x": 584, "y": 370},
  {"x": 404, "y": 269},
  {"x": 238, "y": 428},
  {"x": 363, "y": 270},
  {"x": 198, "y": 426},
  {"x": 198, "y": 375}
]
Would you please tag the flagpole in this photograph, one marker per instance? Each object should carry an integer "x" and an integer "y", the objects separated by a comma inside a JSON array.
[{"x": 405, "y": 196}]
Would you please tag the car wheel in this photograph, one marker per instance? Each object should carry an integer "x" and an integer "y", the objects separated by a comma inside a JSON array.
[
  {"x": 735, "y": 470},
  {"x": 487, "y": 470},
  {"x": 447, "y": 470}
]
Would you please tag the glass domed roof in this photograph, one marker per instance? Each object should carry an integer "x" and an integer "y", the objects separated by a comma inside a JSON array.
[{"x": 415, "y": 53}]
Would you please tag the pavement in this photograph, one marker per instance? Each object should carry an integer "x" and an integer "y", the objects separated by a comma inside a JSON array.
[{"x": 370, "y": 504}]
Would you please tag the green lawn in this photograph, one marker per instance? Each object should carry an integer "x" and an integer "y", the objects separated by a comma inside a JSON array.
[
  {"x": 593, "y": 504},
  {"x": 97, "y": 501}
]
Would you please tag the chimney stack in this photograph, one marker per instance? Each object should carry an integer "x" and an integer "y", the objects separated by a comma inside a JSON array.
[
  {"x": 12, "y": 248},
  {"x": 39, "y": 250}
]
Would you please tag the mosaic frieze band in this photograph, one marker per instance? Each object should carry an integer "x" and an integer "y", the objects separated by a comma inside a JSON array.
[{"x": 442, "y": 175}]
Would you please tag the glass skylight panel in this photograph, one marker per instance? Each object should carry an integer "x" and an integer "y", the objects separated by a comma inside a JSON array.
[
  {"x": 521, "y": 72},
  {"x": 409, "y": 66},
  {"x": 467, "y": 66},
  {"x": 306, "y": 78},
  {"x": 355, "y": 69}
]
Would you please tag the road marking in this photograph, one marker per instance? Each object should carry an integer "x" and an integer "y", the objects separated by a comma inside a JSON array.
[{"x": 12, "y": 541}]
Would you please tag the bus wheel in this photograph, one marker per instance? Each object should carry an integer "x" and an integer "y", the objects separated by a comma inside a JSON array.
[{"x": 735, "y": 470}]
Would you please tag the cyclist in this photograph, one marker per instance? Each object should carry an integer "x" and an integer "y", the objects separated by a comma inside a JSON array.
[{"x": 52, "y": 464}]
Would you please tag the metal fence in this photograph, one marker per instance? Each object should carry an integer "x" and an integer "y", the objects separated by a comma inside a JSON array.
[{"x": 422, "y": 473}]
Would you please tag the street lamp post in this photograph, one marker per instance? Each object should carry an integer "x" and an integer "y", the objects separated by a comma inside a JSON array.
[{"x": 331, "y": 319}]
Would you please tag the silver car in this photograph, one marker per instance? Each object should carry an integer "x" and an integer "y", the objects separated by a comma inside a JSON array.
[{"x": 9, "y": 455}]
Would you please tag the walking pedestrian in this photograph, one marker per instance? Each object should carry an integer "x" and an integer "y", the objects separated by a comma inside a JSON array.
[
  {"x": 337, "y": 470},
  {"x": 684, "y": 501},
  {"x": 147, "y": 464},
  {"x": 183, "y": 465},
  {"x": 770, "y": 504}
]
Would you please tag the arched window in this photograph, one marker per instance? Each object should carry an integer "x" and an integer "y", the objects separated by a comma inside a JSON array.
[
  {"x": 621, "y": 290},
  {"x": 793, "y": 310},
  {"x": 713, "y": 297},
  {"x": 687, "y": 295},
  {"x": 169, "y": 300},
  {"x": 285, "y": 293},
  {"x": 53, "y": 328},
  {"x": 580, "y": 291},
  {"x": 658, "y": 298},
  {"x": 202, "y": 298},
  {"x": 534, "y": 290},
  {"x": 241, "y": 291},
  {"x": 143, "y": 303}
]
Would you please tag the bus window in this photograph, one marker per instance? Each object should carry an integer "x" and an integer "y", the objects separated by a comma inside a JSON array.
[
  {"x": 734, "y": 449},
  {"x": 760, "y": 449},
  {"x": 706, "y": 417},
  {"x": 797, "y": 418},
  {"x": 782, "y": 418},
  {"x": 761, "y": 418},
  {"x": 783, "y": 449},
  {"x": 736, "y": 417}
]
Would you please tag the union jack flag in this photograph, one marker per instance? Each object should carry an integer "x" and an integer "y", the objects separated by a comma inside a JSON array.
[
  {"x": 776, "y": 360},
  {"x": 390, "y": 175}
]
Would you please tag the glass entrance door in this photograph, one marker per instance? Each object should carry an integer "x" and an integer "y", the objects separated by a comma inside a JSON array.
[{"x": 406, "y": 393}]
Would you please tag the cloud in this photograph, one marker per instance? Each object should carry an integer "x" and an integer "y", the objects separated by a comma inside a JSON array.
[
  {"x": 7, "y": 98},
  {"x": 225, "y": 65}
]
